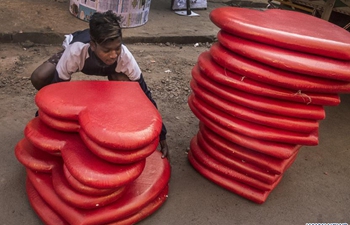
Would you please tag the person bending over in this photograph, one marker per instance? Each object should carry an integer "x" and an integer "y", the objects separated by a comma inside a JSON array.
[{"x": 96, "y": 51}]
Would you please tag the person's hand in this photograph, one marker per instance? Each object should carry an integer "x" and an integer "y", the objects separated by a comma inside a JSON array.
[{"x": 164, "y": 149}]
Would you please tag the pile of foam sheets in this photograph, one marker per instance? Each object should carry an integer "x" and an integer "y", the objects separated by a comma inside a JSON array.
[
  {"x": 260, "y": 92},
  {"x": 91, "y": 154}
]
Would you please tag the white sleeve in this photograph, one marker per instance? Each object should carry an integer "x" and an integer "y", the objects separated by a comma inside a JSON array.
[
  {"x": 72, "y": 60},
  {"x": 67, "y": 40},
  {"x": 128, "y": 65}
]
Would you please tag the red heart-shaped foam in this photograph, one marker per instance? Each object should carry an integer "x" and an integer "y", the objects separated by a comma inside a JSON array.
[
  {"x": 47, "y": 139},
  {"x": 281, "y": 121},
  {"x": 212, "y": 164},
  {"x": 237, "y": 164},
  {"x": 85, "y": 166},
  {"x": 50, "y": 217},
  {"x": 275, "y": 149},
  {"x": 78, "y": 199},
  {"x": 285, "y": 59},
  {"x": 274, "y": 76},
  {"x": 244, "y": 190},
  {"x": 117, "y": 115},
  {"x": 212, "y": 73},
  {"x": 82, "y": 188},
  {"x": 139, "y": 193},
  {"x": 119, "y": 156},
  {"x": 232, "y": 150},
  {"x": 35, "y": 159},
  {"x": 251, "y": 129},
  {"x": 286, "y": 29}
]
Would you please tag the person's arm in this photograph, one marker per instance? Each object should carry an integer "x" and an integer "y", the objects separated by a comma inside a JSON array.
[
  {"x": 162, "y": 137},
  {"x": 127, "y": 65},
  {"x": 148, "y": 93},
  {"x": 71, "y": 61}
]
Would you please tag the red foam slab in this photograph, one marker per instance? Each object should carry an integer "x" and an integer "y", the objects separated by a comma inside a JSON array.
[
  {"x": 95, "y": 172},
  {"x": 248, "y": 192},
  {"x": 119, "y": 156},
  {"x": 85, "y": 166},
  {"x": 44, "y": 211},
  {"x": 51, "y": 140},
  {"x": 252, "y": 129},
  {"x": 275, "y": 149},
  {"x": 273, "y": 76},
  {"x": 97, "y": 108},
  {"x": 286, "y": 29},
  {"x": 35, "y": 159},
  {"x": 251, "y": 115},
  {"x": 146, "y": 211},
  {"x": 50, "y": 217},
  {"x": 232, "y": 150},
  {"x": 258, "y": 102},
  {"x": 59, "y": 123},
  {"x": 44, "y": 137},
  {"x": 212, "y": 164},
  {"x": 76, "y": 185},
  {"x": 285, "y": 59},
  {"x": 143, "y": 191},
  {"x": 236, "y": 164},
  {"x": 214, "y": 72},
  {"x": 78, "y": 199}
]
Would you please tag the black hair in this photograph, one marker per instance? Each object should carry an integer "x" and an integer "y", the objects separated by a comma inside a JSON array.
[{"x": 105, "y": 27}]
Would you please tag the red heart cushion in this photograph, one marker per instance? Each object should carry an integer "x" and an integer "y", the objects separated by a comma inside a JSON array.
[
  {"x": 44, "y": 211},
  {"x": 252, "y": 129},
  {"x": 50, "y": 217},
  {"x": 138, "y": 195},
  {"x": 77, "y": 199},
  {"x": 47, "y": 139},
  {"x": 277, "y": 77},
  {"x": 116, "y": 115},
  {"x": 212, "y": 164},
  {"x": 80, "y": 161},
  {"x": 285, "y": 59},
  {"x": 252, "y": 115},
  {"x": 286, "y": 29},
  {"x": 35, "y": 159},
  {"x": 211, "y": 72},
  {"x": 244, "y": 190},
  {"x": 75, "y": 184},
  {"x": 237, "y": 164},
  {"x": 232, "y": 150},
  {"x": 275, "y": 149}
]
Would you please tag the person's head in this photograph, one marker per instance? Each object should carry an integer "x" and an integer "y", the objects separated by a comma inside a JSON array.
[{"x": 106, "y": 36}]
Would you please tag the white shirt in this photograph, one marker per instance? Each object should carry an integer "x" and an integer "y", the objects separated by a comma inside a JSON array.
[{"x": 74, "y": 57}]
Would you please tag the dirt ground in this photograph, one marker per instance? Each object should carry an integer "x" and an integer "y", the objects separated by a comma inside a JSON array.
[{"x": 314, "y": 189}]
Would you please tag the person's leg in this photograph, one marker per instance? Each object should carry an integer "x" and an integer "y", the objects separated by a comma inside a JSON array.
[{"x": 44, "y": 74}]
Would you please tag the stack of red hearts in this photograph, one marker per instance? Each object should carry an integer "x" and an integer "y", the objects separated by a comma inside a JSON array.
[
  {"x": 259, "y": 94},
  {"x": 91, "y": 154}
]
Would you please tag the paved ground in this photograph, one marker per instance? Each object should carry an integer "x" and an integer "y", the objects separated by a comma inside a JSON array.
[
  {"x": 45, "y": 21},
  {"x": 315, "y": 189}
]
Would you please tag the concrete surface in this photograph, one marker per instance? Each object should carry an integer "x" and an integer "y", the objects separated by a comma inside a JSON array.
[
  {"x": 315, "y": 189},
  {"x": 44, "y": 21}
]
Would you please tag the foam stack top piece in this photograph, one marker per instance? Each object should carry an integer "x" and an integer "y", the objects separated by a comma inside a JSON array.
[
  {"x": 307, "y": 64},
  {"x": 285, "y": 29},
  {"x": 116, "y": 115}
]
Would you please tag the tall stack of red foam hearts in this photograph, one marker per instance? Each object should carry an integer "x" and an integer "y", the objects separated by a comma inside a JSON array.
[
  {"x": 259, "y": 94},
  {"x": 91, "y": 155}
]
